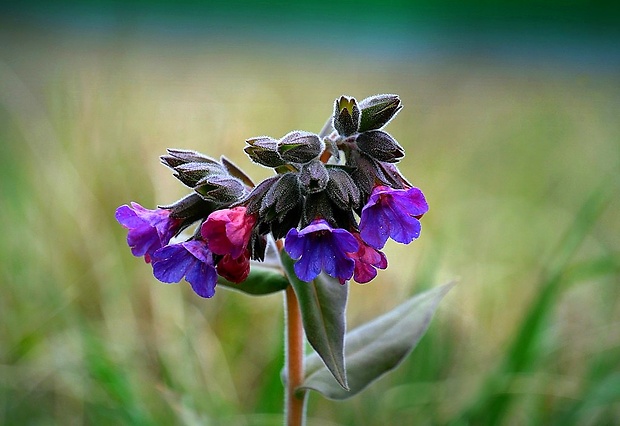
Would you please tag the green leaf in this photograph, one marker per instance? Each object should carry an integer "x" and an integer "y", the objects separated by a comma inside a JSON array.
[
  {"x": 377, "y": 347},
  {"x": 323, "y": 304},
  {"x": 262, "y": 280}
]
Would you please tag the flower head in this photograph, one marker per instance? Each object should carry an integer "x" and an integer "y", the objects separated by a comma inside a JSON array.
[
  {"x": 335, "y": 199},
  {"x": 192, "y": 260},
  {"x": 392, "y": 213},
  {"x": 320, "y": 247},
  {"x": 367, "y": 261},
  {"x": 149, "y": 230}
]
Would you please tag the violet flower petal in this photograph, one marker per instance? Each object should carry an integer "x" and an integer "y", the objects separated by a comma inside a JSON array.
[
  {"x": 191, "y": 260},
  {"x": 320, "y": 247},
  {"x": 202, "y": 277}
]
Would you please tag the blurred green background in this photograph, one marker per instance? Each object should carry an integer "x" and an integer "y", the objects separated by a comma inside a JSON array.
[{"x": 512, "y": 129}]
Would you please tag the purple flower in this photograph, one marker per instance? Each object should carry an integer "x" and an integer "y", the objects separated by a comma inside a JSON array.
[
  {"x": 149, "y": 230},
  {"x": 392, "y": 213},
  {"x": 192, "y": 260},
  {"x": 320, "y": 247}
]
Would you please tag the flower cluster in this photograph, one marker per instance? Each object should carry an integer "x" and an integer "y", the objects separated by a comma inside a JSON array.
[{"x": 335, "y": 199}]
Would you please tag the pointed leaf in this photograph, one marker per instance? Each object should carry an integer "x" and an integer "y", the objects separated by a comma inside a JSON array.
[
  {"x": 323, "y": 305},
  {"x": 262, "y": 280},
  {"x": 236, "y": 171},
  {"x": 377, "y": 347}
]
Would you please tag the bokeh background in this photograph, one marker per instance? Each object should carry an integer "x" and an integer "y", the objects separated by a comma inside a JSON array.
[{"x": 512, "y": 129}]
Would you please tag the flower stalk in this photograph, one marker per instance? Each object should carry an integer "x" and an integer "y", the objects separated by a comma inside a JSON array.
[{"x": 295, "y": 401}]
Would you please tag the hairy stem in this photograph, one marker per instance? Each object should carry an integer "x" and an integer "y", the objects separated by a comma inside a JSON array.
[{"x": 294, "y": 401}]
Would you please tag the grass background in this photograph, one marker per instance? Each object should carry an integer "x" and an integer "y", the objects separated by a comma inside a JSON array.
[{"x": 512, "y": 132}]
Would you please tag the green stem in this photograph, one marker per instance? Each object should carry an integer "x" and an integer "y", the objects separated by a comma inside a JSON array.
[{"x": 294, "y": 401}]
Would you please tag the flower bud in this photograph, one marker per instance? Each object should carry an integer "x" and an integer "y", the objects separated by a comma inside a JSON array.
[
  {"x": 342, "y": 190},
  {"x": 313, "y": 176},
  {"x": 377, "y": 111},
  {"x": 264, "y": 151},
  {"x": 394, "y": 177},
  {"x": 300, "y": 147},
  {"x": 318, "y": 206},
  {"x": 380, "y": 145},
  {"x": 191, "y": 166},
  {"x": 255, "y": 199},
  {"x": 221, "y": 189},
  {"x": 280, "y": 198},
  {"x": 177, "y": 157},
  {"x": 346, "y": 116},
  {"x": 191, "y": 173},
  {"x": 190, "y": 208},
  {"x": 364, "y": 171},
  {"x": 281, "y": 206}
]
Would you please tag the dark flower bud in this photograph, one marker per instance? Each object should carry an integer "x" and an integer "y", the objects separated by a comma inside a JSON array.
[
  {"x": 255, "y": 199},
  {"x": 264, "y": 151},
  {"x": 191, "y": 166},
  {"x": 346, "y": 116},
  {"x": 318, "y": 206},
  {"x": 258, "y": 246},
  {"x": 191, "y": 173},
  {"x": 313, "y": 176},
  {"x": 283, "y": 196},
  {"x": 278, "y": 202},
  {"x": 300, "y": 147},
  {"x": 380, "y": 146},
  {"x": 177, "y": 157},
  {"x": 279, "y": 228},
  {"x": 377, "y": 111},
  {"x": 365, "y": 172},
  {"x": 342, "y": 190},
  {"x": 221, "y": 189},
  {"x": 190, "y": 209},
  {"x": 395, "y": 179}
]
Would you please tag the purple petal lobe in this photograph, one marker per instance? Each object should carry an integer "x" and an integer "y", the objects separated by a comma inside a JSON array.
[
  {"x": 392, "y": 213},
  {"x": 320, "y": 247},
  {"x": 170, "y": 263},
  {"x": 192, "y": 260},
  {"x": 294, "y": 244},
  {"x": 202, "y": 277},
  {"x": 148, "y": 230}
]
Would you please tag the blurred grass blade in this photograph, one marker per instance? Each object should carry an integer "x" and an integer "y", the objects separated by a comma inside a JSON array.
[
  {"x": 603, "y": 393},
  {"x": 114, "y": 381},
  {"x": 323, "y": 306},
  {"x": 377, "y": 347},
  {"x": 492, "y": 403}
]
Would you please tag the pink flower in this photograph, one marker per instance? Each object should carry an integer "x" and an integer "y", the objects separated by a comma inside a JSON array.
[
  {"x": 228, "y": 231},
  {"x": 236, "y": 269},
  {"x": 367, "y": 261}
]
